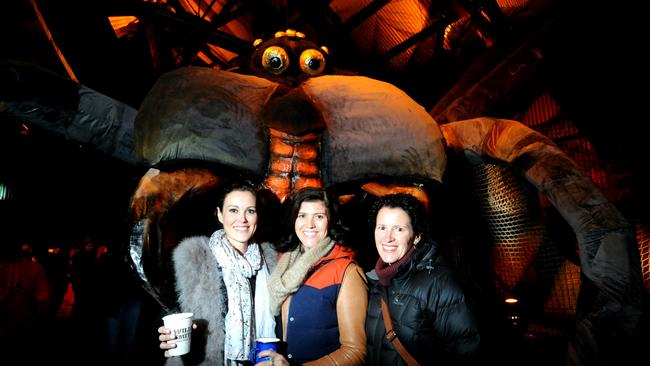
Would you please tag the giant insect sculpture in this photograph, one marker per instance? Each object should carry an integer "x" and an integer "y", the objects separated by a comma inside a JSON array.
[{"x": 284, "y": 118}]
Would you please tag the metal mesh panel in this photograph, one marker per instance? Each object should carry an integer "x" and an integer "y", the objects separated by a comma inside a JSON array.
[
  {"x": 515, "y": 235},
  {"x": 523, "y": 255}
]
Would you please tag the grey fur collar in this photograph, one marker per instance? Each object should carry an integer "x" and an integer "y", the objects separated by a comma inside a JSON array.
[{"x": 200, "y": 289}]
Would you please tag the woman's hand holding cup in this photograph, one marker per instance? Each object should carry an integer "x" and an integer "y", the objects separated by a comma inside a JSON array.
[
  {"x": 275, "y": 359},
  {"x": 167, "y": 339}
]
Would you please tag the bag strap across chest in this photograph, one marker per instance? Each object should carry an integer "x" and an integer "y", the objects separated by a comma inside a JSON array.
[{"x": 391, "y": 335}]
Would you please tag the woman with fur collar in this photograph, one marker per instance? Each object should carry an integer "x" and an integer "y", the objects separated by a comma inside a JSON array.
[
  {"x": 223, "y": 280},
  {"x": 318, "y": 289}
]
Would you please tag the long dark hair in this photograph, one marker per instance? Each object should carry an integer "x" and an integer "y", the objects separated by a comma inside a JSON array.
[{"x": 335, "y": 231}]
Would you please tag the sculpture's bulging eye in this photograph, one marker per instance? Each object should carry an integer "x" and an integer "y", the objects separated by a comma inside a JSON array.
[
  {"x": 275, "y": 59},
  {"x": 312, "y": 62}
]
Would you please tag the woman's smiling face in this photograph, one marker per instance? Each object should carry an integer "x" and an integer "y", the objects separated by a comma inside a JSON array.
[
  {"x": 312, "y": 223},
  {"x": 238, "y": 216},
  {"x": 394, "y": 234}
]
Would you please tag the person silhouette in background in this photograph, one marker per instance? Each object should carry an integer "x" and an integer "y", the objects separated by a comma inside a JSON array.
[
  {"x": 119, "y": 304},
  {"x": 83, "y": 278},
  {"x": 84, "y": 317},
  {"x": 24, "y": 301}
]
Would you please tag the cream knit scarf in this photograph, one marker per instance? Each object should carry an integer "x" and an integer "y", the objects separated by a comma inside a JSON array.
[{"x": 291, "y": 270}]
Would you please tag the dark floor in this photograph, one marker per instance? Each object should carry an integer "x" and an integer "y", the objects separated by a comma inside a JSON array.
[
  {"x": 68, "y": 343},
  {"x": 65, "y": 341}
]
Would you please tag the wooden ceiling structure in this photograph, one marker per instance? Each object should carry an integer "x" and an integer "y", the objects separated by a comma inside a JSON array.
[{"x": 490, "y": 57}]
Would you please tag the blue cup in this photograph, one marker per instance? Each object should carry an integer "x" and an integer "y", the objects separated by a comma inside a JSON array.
[{"x": 263, "y": 344}]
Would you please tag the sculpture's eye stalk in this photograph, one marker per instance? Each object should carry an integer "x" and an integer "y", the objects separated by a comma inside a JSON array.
[
  {"x": 275, "y": 60},
  {"x": 312, "y": 62}
]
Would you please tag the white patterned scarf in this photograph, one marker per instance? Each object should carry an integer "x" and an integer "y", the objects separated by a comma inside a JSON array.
[{"x": 240, "y": 321}]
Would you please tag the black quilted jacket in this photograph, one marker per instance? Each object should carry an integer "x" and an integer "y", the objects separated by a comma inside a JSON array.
[{"x": 429, "y": 310}]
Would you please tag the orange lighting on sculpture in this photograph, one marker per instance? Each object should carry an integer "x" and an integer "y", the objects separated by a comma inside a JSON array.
[{"x": 123, "y": 25}]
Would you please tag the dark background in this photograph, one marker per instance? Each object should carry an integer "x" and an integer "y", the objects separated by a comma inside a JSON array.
[{"x": 62, "y": 190}]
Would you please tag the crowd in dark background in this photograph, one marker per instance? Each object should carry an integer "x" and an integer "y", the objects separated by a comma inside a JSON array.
[
  {"x": 77, "y": 306},
  {"x": 68, "y": 204}
]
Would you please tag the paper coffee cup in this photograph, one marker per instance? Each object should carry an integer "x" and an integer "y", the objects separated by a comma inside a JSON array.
[{"x": 181, "y": 326}]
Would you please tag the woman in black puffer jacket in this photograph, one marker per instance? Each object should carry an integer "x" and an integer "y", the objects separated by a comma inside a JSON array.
[{"x": 428, "y": 307}]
